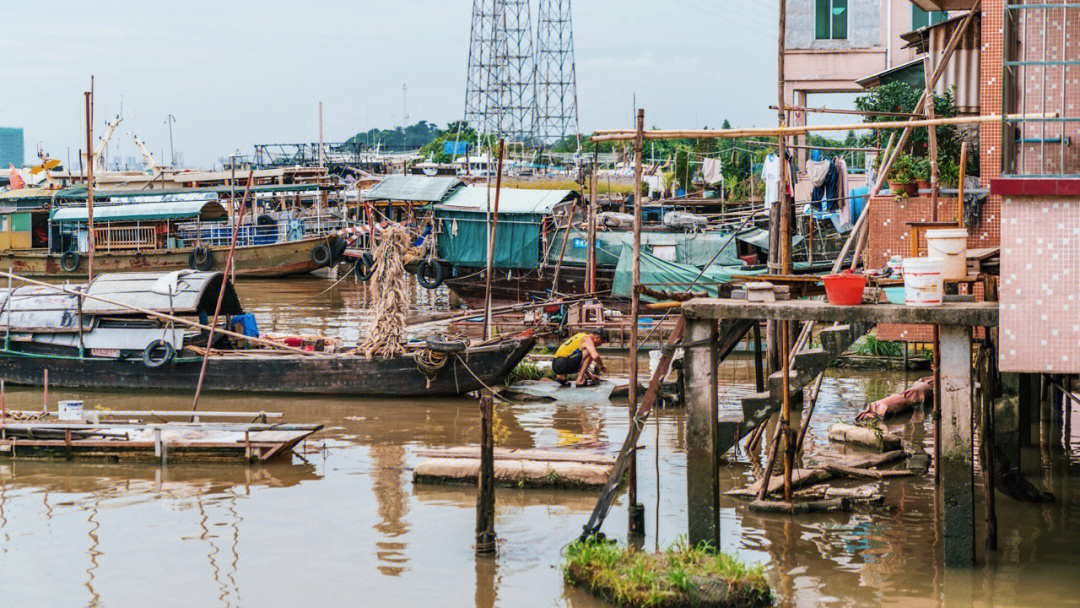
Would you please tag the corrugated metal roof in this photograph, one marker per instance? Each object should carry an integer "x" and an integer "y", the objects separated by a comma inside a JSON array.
[
  {"x": 413, "y": 188},
  {"x": 143, "y": 211},
  {"x": 150, "y": 290},
  {"x": 511, "y": 200},
  {"x": 40, "y": 309},
  {"x": 22, "y": 193}
]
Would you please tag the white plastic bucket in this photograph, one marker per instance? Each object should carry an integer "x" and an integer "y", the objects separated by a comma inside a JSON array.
[
  {"x": 70, "y": 410},
  {"x": 949, "y": 245},
  {"x": 923, "y": 281}
]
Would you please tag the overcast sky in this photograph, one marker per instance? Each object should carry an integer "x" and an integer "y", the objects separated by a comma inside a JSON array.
[{"x": 235, "y": 73}]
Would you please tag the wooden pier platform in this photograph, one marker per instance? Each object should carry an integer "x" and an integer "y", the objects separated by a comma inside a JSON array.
[{"x": 705, "y": 427}]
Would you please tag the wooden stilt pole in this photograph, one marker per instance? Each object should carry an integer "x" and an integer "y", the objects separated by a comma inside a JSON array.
[
  {"x": 636, "y": 511},
  {"x": 485, "y": 481},
  {"x": 493, "y": 213},
  {"x": 45, "y": 390}
]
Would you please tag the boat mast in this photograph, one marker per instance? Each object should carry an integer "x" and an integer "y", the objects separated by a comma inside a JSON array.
[{"x": 89, "y": 102}]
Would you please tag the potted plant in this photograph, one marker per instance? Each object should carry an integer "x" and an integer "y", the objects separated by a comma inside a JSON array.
[
  {"x": 901, "y": 175},
  {"x": 922, "y": 173},
  {"x": 949, "y": 173}
]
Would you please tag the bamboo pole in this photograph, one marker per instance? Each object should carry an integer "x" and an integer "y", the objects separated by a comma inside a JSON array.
[
  {"x": 636, "y": 512},
  {"x": 89, "y": 101},
  {"x": 841, "y": 111},
  {"x": 158, "y": 315},
  {"x": 221, "y": 292},
  {"x": 562, "y": 252},
  {"x": 493, "y": 213},
  {"x": 595, "y": 184},
  {"x": 960, "y": 185}
]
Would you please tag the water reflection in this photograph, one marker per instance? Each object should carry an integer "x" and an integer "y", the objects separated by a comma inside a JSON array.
[{"x": 348, "y": 526}]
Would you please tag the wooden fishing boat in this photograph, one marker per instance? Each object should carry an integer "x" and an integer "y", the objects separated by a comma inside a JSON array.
[
  {"x": 39, "y": 238},
  {"x": 266, "y": 261},
  {"x": 109, "y": 341}
]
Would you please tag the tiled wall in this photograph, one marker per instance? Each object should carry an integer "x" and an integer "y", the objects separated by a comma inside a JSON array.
[
  {"x": 1040, "y": 285},
  {"x": 890, "y": 235}
]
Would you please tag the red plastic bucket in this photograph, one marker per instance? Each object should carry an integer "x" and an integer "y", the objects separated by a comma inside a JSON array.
[{"x": 844, "y": 289}]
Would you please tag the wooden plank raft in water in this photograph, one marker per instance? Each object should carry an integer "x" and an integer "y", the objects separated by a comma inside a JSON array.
[
  {"x": 526, "y": 468},
  {"x": 166, "y": 442}
]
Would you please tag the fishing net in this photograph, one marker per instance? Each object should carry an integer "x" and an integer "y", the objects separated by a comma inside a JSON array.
[{"x": 388, "y": 290}]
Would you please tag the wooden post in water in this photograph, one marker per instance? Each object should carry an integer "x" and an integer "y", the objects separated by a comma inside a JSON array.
[
  {"x": 493, "y": 213},
  {"x": 45, "y": 391},
  {"x": 485, "y": 481},
  {"x": 785, "y": 258},
  {"x": 636, "y": 510}
]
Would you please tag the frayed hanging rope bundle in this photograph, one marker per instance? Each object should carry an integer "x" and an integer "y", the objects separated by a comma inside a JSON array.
[{"x": 388, "y": 290}]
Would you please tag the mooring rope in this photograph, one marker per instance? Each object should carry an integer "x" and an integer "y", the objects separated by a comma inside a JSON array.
[{"x": 389, "y": 292}]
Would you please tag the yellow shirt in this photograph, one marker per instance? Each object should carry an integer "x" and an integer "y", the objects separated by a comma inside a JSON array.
[{"x": 572, "y": 345}]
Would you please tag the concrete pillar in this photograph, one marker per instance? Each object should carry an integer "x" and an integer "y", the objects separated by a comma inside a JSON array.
[
  {"x": 702, "y": 475},
  {"x": 957, "y": 483}
]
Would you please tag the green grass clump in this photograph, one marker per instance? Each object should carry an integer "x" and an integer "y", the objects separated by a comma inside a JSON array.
[
  {"x": 680, "y": 575},
  {"x": 880, "y": 348},
  {"x": 527, "y": 370}
]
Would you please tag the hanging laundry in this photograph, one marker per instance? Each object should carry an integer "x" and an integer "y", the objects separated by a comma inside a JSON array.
[
  {"x": 770, "y": 174},
  {"x": 825, "y": 192},
  {"x": 817, "y": 170},
  {"x": 842, "y": 189},
  {"x": 711, "y": 171}
]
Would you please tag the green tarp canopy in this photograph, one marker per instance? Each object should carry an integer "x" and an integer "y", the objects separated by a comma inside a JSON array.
[
  {"x": 671, "y": 276},
  {"x": 696, "y": 249},
  {"x": 463, "y": 221},
  {"x": 759, "y": 237},
  {"x": 463, "y": 239}
]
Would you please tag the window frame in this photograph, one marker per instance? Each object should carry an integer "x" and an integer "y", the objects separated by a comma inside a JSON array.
[
  {"x": 830, "y": 19},
  {"x": 930, "y": 17}
]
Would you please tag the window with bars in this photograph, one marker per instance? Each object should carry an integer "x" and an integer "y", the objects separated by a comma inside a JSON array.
[
  {"x": 830, "y": 19},
  {"x": 1040, "y": 66},
  {"x": 921, "y": 18}
]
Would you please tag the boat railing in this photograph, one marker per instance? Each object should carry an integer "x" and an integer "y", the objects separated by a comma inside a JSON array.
[{"x": 220, "y": 234}]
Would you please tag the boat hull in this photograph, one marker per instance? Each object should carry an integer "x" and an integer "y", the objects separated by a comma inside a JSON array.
[
  {"x": 273, "y": 260},
  {"x": 279, "y": 373},
  {"x": 525, "y": 285}
]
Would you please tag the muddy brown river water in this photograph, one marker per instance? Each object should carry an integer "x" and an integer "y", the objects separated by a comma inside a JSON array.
[{"x": 348, "y": 527}]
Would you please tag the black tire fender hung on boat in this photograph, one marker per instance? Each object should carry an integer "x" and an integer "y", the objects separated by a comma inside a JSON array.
[
  {"x": 158, "y": 353},
  {"x": 442, "y": 343},
  {"x": 337, "y": 250},
  {"x": 69, "y": 261},
  {"x": 321, "y": 255},
  {"x": 429, "y": 273},
  {"x": 201, "y": 258},
  {"x": 365, "y": 266}
]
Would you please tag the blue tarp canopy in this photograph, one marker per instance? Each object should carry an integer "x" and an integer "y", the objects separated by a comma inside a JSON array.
[
  {"x": 206, "y": 210},
  {"x": 696, "y": 249}
]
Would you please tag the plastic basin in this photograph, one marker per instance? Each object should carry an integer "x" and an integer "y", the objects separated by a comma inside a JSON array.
[
  {"x": 844, "y": 289},
  {"x": 895, "y": 295}
]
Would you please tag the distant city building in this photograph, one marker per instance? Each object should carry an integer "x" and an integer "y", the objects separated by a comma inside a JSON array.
[{"x": 11, "y": 146}]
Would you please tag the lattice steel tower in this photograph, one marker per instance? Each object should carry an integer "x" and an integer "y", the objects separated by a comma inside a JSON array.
[
  {"x": 499, "y": 92},
  {"x": 556, "y": 77}
]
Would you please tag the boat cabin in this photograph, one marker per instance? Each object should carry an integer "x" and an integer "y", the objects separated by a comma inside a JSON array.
[{"x": 136, "y": 226}]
